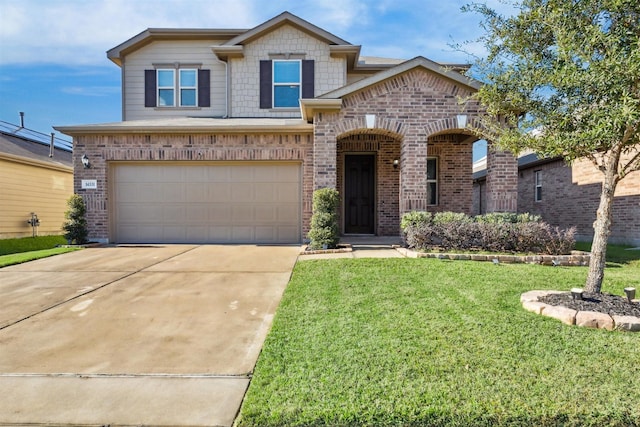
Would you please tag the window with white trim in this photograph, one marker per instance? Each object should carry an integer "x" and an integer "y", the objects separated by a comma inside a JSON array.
[
  {"x": 538, "y": 185},
  {"x": 287, "y": 78},
  {"x": 432, "y": 181},
  {"x": 188, "y": 83},
  {"x": 166, "y": 87},
  {"x": 183, "y": 92}
]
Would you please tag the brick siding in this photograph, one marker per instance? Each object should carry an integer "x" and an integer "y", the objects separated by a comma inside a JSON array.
[
  {"x": 418, "y": 109},
  {"x": 570, "y": 197},
  {"x": 104, "y": 149}
]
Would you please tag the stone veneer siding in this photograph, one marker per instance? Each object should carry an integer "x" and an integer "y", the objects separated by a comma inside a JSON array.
[
  {"x": 570, "y": 197},
  {"x": 103, "y": 149}
]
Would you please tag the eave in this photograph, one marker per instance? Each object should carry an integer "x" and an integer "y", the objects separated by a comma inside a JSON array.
[
  {"x": 191, "y": 126},
  {"x": 309, "y": 107}
]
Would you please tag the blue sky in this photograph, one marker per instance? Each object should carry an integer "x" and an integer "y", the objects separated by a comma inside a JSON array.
[{"x": 53, "y": 63}]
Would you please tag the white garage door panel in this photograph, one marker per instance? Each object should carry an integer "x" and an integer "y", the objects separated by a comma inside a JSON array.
[{"x": 211, "y": 203}]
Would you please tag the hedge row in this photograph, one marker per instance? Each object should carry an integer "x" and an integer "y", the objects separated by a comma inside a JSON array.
[{"x": 500, "y": 232}]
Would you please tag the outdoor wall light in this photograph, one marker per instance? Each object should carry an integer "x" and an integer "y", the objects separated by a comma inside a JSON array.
[
  {"x": 85, "y": 161},
  {"x": 631, "y": 293},
  {"x": 576, "y": 293},
  {"x": 462, "y": 121},
  {"x": 396, "y": 162}
]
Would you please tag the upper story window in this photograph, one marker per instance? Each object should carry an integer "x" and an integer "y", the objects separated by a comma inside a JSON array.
[
  {"x": 432, "y": 181},
  {"x": 538, "y": 185},
  {"x": 186, "y": 87},
  {"x": 177, "y": 87},
  {"x": 284, "y": 82}
]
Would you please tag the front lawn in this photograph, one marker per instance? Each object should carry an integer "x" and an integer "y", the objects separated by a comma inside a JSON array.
[
  {"x": 19, "y": 258},
  {"x": 27, "y": 244},
  {"x": 433, "y": 342}
]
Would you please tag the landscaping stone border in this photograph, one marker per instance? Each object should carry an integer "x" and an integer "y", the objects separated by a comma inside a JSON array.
[
  {"x": 342, "y": 248},
  {"x": 586, "y": 319},
  {"x": 576, "y": 258}
]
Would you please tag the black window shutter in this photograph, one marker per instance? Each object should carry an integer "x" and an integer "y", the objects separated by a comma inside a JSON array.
[
  {"x": 204, "y": 88},
  {"x": 150, "y": 88},
  {"x": 307, "y": 79},
  {"x": 266, "y": 82}
]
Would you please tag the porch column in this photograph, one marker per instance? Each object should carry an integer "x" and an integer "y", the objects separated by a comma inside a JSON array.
[
  {"x": 324, "y": 157},
  {"x": 502, "y": 180},
  {"x": 413, "y": 174}
]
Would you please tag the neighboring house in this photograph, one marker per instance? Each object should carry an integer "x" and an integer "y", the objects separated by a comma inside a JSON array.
[
  {"x": 226, "y": 134},
  {"x": 34, "y": 178},
  {"x": 567, "y": 196}
]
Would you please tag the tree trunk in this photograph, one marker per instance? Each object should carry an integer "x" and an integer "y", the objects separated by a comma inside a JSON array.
[{"x": 602, "y": 224}]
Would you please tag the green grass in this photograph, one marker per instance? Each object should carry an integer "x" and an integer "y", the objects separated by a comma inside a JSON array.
[
  {"x": 11, "y": 259},
  {"x": 440, "y": 343},
  {"x": 27, "y": 244}
]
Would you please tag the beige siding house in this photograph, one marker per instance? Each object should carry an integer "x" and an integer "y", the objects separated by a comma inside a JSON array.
[
  {"x": 226, "y": 133},
  {"x": 32, "y": 182}
]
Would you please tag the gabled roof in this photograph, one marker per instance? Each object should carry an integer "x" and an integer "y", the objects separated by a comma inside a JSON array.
[
  {"x": 417, "y": 62},
  {"x": 337, "y": 46},
  {"x": 287, "y": 18},
  {"x": 153, "y": 34}
]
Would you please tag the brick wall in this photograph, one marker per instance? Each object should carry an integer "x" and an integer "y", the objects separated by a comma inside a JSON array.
[
  {"x": 103, "y": 149},
  {"x": 413, "y": 108},
  {"x": 570, "y": 197}
]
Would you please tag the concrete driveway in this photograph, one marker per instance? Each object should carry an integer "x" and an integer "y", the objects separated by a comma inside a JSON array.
[{"x": 133, "y": 335}]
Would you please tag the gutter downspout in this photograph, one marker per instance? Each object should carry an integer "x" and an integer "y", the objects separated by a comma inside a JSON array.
[{"x": 226, "y": 87}]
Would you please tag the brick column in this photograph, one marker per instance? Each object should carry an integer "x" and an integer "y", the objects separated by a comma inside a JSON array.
[
  {"x": 413, "y": 174},
  {"x": 324, "y": 156},
  {"x": 502, "y": 181}
]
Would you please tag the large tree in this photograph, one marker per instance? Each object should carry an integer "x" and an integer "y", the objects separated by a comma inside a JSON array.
[{"x": 562, "y": 77}]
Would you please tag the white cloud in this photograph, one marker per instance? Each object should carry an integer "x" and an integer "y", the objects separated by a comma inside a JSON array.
[{"x": 80, "y": 32}]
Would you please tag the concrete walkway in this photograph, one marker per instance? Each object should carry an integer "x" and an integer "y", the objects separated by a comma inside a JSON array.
[
  {"x": 156, "y": 335},
  {"x": 362, "y": 247}
]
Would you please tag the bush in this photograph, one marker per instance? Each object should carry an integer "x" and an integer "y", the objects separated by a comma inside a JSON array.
[
  {"x": 414, "y": 219},
  {"x": 324, "y": 232},
  {"x": 496, "y": 232},
  {"x": 451, "y": 217},
  {"x": 75, "y": 227},
  {"x": 506, "y": 217}
]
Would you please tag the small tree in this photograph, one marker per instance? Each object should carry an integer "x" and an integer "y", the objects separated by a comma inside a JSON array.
[
  {"x": 75, "y": 226},
  {"x": 562, "y": 77},
  {"x": 324, "y": 232}
]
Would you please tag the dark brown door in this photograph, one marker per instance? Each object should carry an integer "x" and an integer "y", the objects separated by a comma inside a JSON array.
[{"x": 359, "y": 194}]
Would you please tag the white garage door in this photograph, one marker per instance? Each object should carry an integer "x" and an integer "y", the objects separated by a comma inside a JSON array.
[{"x": 250, "y": 202}]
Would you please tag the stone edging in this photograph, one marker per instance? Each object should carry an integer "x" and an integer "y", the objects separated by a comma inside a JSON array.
[
  {"x": 587, "y": 319},
  {"x": 577, "y": 258},
  {"x": 342, "y": 248}
]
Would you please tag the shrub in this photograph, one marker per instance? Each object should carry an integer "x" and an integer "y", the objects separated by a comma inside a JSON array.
[
  {"x": 414, "y": 219},
  {"x": 451, "y": 217},
  {"x": 496, "y": 232},
  {"x": 506, "y": 217},
  {"x": 75, "y": 227},
  {"x": 324, "y": 232}
]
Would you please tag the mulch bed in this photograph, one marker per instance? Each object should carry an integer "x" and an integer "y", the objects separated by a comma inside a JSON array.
[{"x": 602, "y": 303}]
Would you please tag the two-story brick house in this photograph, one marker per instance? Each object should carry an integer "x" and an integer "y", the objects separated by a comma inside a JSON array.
[{"x": 226, "y": 134}]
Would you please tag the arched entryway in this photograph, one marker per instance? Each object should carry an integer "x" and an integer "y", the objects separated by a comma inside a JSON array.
[{"x": 368, "y": 178}]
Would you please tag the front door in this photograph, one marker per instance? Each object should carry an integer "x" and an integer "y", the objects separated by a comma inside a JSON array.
[{"x": 359, "y": 194}]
